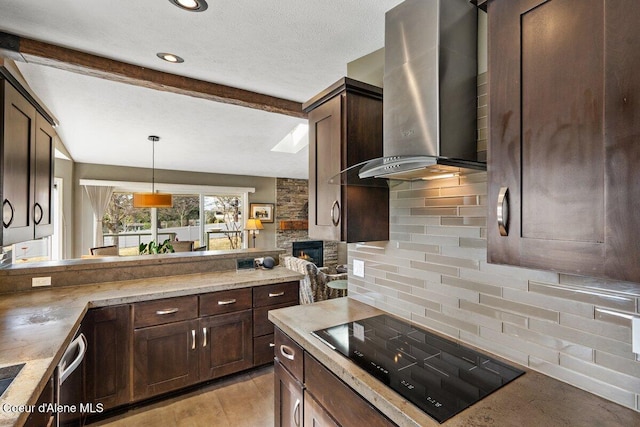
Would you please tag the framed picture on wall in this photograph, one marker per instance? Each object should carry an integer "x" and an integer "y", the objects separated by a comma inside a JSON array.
[{"x": 262, "y": 211}]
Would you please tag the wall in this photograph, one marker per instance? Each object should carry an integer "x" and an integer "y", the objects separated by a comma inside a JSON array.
[
  {"x": 64, "y": 170},
  {"x": 83, "y": 227}
]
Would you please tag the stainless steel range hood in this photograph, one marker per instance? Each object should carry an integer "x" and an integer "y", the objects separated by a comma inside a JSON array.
[{"x": 430, "y": 91}]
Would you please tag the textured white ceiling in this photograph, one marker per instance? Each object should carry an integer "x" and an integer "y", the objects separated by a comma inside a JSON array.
[{"x": 286, "y": 48}]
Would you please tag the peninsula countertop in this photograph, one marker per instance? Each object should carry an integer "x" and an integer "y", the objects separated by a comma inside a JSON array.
[
  {"x": 36, "y": 326},
  {"x": 533, "y": 399}
]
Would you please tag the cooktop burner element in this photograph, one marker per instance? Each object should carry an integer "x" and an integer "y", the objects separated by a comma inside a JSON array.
[{"x": 439, "y": 376}]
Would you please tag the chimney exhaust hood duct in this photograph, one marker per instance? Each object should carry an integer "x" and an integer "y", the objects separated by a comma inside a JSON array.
[{"x": 430, "y": 91}]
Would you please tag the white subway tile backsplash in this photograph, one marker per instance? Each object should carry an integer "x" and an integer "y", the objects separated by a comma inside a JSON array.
[
  {"x": 620, "y": 333},
  {"x": 434, "y": 272},
  {"x": 585, "y": 339},
  {"x": 585, "y": 382}
]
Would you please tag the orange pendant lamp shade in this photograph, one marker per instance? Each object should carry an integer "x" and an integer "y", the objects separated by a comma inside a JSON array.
[{"x": 152, "y": 199}]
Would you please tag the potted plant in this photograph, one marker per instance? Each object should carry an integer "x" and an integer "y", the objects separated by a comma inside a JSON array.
[{"x": 153, "y": 248}]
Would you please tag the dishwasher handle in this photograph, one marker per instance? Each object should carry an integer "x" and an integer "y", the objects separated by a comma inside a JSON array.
[{"x": 64, "y": 371}]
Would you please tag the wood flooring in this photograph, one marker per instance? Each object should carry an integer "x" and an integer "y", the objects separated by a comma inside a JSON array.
[{"x": 244, "y": 400}]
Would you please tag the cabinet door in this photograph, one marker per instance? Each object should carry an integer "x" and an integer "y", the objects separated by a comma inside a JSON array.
[
  {"x": 108, "y": 359},
  {"x": 17, "y": 151},
  {"x": 165, "y": 358},
  {"x": 288, "y": 409},
  {"x": 549, "y": 134},
  {"x": 43, "y": 178},
  {"x": 346, "y": 406},
  {"x": 315, "y": 415},
  {"x": 226, "y": 344},
  {"x": 325, "y": 140},
  {"x": 47, "y": 418}
]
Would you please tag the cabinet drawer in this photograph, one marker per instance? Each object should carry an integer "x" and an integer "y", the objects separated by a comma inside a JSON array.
[
  {"x": 289, "y": 353},
  {"x": 225, "y": 302},
  {"x": 263, "y": 350},
  {"x": 347, "y": 407},
  {"x": 261, "y": 323},
  {"x": 163, "y": 311},
  {"x": 275, "y": 294}
]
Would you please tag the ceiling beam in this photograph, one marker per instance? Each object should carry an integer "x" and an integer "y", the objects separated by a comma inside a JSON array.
[{"x": 37, "y": 52}]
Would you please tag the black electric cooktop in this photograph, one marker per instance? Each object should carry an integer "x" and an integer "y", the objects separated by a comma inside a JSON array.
[{"x": 439, "y": 376}]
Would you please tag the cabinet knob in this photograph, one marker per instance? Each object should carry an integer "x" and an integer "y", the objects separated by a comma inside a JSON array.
[
  {"x": 227, "y": 302},
  {"x": 502, "y": 211}
]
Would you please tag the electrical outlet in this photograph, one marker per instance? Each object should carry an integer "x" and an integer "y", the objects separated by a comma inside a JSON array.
[
  {"x": 635, "y": 335},
  {"x": 37, "y": 282},
  {"x": 358, "y": 268}
]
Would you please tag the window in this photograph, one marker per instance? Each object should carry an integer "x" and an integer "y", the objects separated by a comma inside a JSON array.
[{"x": 213, "y": 221}]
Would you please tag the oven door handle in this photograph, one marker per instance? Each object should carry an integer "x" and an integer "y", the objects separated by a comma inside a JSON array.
[{"x": 81, "y": 343}]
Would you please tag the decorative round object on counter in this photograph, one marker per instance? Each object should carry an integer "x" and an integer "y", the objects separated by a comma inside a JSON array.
[{"x": 268, "y": 262}]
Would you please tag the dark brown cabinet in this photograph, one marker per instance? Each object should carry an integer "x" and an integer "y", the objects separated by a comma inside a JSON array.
[
  {"x": 227, "y": 344},
  {"x": 267, "y": 298},
  {"x": 564, "y": 136},
  {"x": 108, "y": 333},
  {"x": 165, "y": 358},
  {"x": 185, "y": 340},
  {"x": 315, "y": 415},
  {"x": 47, "y": 418},
  {"x": 307, "y": 393},
  {"x": 27, "y": 150},
  {"x": 345, "y": 129},
  {"x": 288, "y": 394}
]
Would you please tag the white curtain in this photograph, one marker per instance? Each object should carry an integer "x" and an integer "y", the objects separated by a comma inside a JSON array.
[{"x": 99, "y": 197}]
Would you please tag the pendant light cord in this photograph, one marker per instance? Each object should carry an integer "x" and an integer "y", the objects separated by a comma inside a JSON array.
[{"x": 153, "y": 140}]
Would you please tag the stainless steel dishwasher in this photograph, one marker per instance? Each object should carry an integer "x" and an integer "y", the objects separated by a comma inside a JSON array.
[{"x": 70, "y": 393}]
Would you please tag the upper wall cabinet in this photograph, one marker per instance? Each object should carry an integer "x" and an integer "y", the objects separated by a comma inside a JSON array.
[
  {"x": 564, "y": 154},
  {"x": 345, "y": 128},
  {"x": 26, "y": 155}
]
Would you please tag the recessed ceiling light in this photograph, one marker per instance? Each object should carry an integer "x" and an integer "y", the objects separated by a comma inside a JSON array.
[
  {"x": 191, "y": 5},
  {"x": 170, "y": 57}
]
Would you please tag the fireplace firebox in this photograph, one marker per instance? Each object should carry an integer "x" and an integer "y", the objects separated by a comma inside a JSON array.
[{"x": 310, "y": 250}]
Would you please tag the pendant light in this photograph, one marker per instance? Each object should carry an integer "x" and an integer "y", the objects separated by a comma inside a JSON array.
[{"x": 153, "y": 199}]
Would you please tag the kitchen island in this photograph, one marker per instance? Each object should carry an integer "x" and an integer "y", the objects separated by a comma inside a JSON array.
[
  {"x": 533, "y": 399},
  {"x": 37, "y": 326}
]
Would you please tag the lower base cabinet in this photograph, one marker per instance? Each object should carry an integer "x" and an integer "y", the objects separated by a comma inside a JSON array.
[
  {"x": 108, "y": 333},
  {"x": 288, "y": 393},
  {"x": 46, "y": 418},
  {"x": 315, "y": 415},
  {"x": 308, "y": 394},
  {"x": 165, "y": 358},
  {"x": 227, "y": 344}
]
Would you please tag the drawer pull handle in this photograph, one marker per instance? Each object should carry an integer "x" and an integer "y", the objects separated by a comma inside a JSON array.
[
  {"x": 287, "y": 352},
  {"x": 335, "y": 220},
  {"x": 193, "y": 339},
  {"x": 167, "y": 311},
  {"x": 296, "y": 412},
  {"x": 204, "y": 334},
  {"x": 271, "y": 345},
  {"x": 227, "y": 302},
  {"x": 7, "y": 217},
  {"x": 276, "y": 294},
  {"x": 37, "y": 215}
]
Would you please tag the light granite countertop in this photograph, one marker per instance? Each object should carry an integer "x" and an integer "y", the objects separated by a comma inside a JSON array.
[
  {"x": 533, "y": 399},
  {"x": 37, "y": 326}
]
